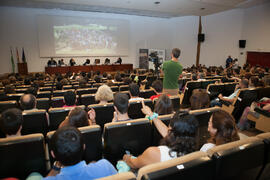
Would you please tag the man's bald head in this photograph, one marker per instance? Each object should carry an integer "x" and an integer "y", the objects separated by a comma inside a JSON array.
[{"x": 28, "y": 101}]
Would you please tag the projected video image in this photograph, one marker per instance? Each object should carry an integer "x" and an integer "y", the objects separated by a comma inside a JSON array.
[{"x": 85, "y": 39}]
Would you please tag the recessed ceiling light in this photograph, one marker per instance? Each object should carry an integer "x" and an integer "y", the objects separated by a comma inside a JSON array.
[{"x": 157, "y": 2}]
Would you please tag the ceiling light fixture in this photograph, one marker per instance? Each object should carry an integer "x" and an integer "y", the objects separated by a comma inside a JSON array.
[{"x": 157, "y": 2}]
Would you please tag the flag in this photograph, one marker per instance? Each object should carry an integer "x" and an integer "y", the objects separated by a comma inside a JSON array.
[
  {"x": 12, "y": 61},
  {"x": 18, "y": 57},
  {"x": 23, "y": 56}
]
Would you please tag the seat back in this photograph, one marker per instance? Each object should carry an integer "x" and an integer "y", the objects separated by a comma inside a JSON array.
[
  {"x": 214, "y": 90},
  {"x": 120, "y": 176},
  {"x": 190, "y": 86},
  {"x": 228, "y": 89},
  {"x": 14, "y": 97},
  {"x": 22, "y": 155},
  {"x": 244, "y": 99},
  {"x": 57, "y": 102},
  {"x": 124, "y": 88},
  {"x": 34, "y": 121},
  {"x": 114, "y": 88},
  {"x": 239, "y": 160},
  {"x": 86, "y": 91},
  {"x": 44, "y": 94},
  {"x": 4, "y": 105},
  {"x": 195, "y": 165},
  {"x": 263, "y": 92},
  {"x": 146, "y": 94},
  {"x": 104, "y": 113},
  {"x": 206, "y": 83},
  {"x": 57, "y": 115},
  {"x": 120, "y": 137},
  {"x": 134, "y": 109},
  {"x": 87, "y": 99},
  {"x": 48, "y": 88},
  {"x": 93, "y": 143},
  {"x": 43, "y": 103},
  {"x": 266, "y": 170},
  {"x": 176, "y": 102},
  {"x": 203, "y": 116},
  {"x": 57, "y": 93}
]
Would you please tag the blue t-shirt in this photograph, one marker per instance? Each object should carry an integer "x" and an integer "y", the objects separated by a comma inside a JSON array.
[{"x": 83, "y": 171}]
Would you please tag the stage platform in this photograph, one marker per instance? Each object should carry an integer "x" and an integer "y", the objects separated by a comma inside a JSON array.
[{"x": 101, "y": 68}]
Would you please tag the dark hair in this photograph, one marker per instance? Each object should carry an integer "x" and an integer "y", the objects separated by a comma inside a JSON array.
[
  {"x": 254, "y": 80},
  {"x": 163, "y": 105},
  {"x": 5, "y": 82},
  {"x": 59, "y": 86},
  {"x": 158, "y": 86},
  {"x": 82, "y": 83},
  {"x": 181, "y": 137},
  {"x": 194, "y": 77},
  {"x": 98, "y": 73},
  {"x": 28, "y": 101},
  {"x": 244, "y": 82},
  {"x": 27, "y": 81},
  {"x": 67, "y": 145},
  {"x": 226, "y": 128},
  {"x": 134, "y": 89},
  {"x": 127, "y": 80},
  {"x": 98, "y": 79},
  {"x": 176, "y": 52},
  {"x": 9, "y": 89},
  {"x": 121, "y": 102},
  {"x": 70, "y": 98},
  {"x": 118, "y": 77},
  {"x": 32, "y": 90},
  {"x": 199, "y": 99},
  {"x": 105, "y": 75},
  {"x": 78, "y": 117},
  {"x": 11, "y": 121}
]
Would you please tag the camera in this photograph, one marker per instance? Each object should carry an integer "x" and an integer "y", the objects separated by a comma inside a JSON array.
[{"x": 153, "y": 57}]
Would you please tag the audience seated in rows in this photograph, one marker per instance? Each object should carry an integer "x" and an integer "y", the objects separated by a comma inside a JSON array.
[
  {"x": 157, "y": 86},
  {"x": 70, "y": 99},
  {"x": 11, "y": 122},
  {"x": 134, "y": 92},
  {"x": 28, "y": 102},
  {"x": 199, "y": 99},
  {"x": 104, "y": 94},
  {"x": 163, "y": 105},
  {"x": 222, "y": 130},
  {"x": 242, "y": 85}
]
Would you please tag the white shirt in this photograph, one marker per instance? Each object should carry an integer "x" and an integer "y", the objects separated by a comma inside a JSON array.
[
  {"x": 165, "y": 155},
  {"x": 136, "y": 99},
  {"x": 207, "y": 146}
]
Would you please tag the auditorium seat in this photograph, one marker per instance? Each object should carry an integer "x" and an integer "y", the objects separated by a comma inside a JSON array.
[
  {"x": 44, "y": 94},
  {"x": 206, "y": 83},
  {"x": 86, "y": 91},
  {"x": 195, "y": 165},
  {"x": 14, "y": 97},
  {"x": 104, "y": 113},
  {"x": 48, "y": 88},
  {"x": 190, "y": 86},
  {"x": 134, "y": 109},
  {"x": 265, "y": 174},
  {"x": 133, "y": 136},
  {"x": 34, "y": 121},
  {"x": 23, "y": 86},
  {"x": 214, "y": 90},
  {"x": 87, "y": 99},
  {"x": 114, "y": 88},
  {"x": 263, "y": 92},
  {"x": 176, "y": 102},
  {"x": 124, "y": 88},
  {"x": 146, "y": 94},
  {"x": 203, "y": 116},
  {"x": 22, "y": 155},
  {"x": 57, "y": 102},
  {"x": 262, "y": 122},
  {"x": 4, "y": 105},
  {"x": 43, "y": 103},
  {"x": 120, "y": 176},
  {"x": 57, "y": 115},
  {"x": 93, "y": 143},
  {"x": 59, "y": 93},
  {"x": 97, "y": 85},
  {"x": 229, "y": 88},
  {"x": 22, "y": 91},
  {"x": 239, "y": 160}
]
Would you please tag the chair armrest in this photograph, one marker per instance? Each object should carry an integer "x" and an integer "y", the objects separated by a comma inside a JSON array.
[{"x": 227, "y": 103}]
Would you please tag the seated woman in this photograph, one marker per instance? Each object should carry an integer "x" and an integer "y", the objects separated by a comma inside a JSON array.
[
  {"x": 163, "y": 105},
  {"x": 179, "y": 140},
  {"x": 199, "y": 99},
  {"x": 78, "y": 117},
  {"x": 222, "y": 129},
  {"x": 104, "y": 94}
]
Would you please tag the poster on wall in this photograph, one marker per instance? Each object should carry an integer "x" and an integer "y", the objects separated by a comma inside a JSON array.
[
  {"x": 143, "y": 59},
  {"x": 144, "y": 62}
]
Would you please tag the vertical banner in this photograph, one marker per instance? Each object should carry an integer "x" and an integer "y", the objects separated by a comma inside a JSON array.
[{"x": 143, "y": 59}]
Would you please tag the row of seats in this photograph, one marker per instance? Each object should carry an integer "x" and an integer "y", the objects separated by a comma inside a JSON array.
[
  {"x": 36, "y": 121},
  {"x": 22, "y": 155},
  {"x": 247, "y": 159},
  {"x": 226, "y": 89}
]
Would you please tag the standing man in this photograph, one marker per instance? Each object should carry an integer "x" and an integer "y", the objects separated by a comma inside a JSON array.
[
  {"x": 229, "y": 60},
  {"x": 172, "y": 70}
]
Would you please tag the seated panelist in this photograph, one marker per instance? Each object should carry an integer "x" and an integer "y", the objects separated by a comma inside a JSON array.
[
  {"x": 72, "y": 62},
  {"x": 51, "y": 62},
  {"x": 87, "y": 62},
  {"x": 107, "y": 61}
]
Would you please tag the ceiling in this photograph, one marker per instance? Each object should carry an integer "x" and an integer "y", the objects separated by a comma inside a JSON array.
[{"x": 165, "y": 9}]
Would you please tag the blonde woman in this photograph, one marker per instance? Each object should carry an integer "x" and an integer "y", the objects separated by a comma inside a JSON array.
[{"x": 104, "y": 94}]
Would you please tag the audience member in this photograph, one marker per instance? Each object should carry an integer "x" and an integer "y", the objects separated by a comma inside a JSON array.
[
  {"x": 121, "y": 108},
  {"x": 163, "y": 105},
  {"x": 134, "y": 92},
  {"x": 178, "y": 140},
  {"x": 104, "y": 94},
  {"x": 9, "y": 89},
  {"x": 68, "y": 149},
  {"x": 70, "y": 99},
  {"x": 222, "y": 129},
  {"x": 59, "y": 86},
  {"x": 199, "y": 99},
  {"x": 11, "y": 122},
  {"x": 28, "y": 102},
  {"x": 157, "y": 86}
]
